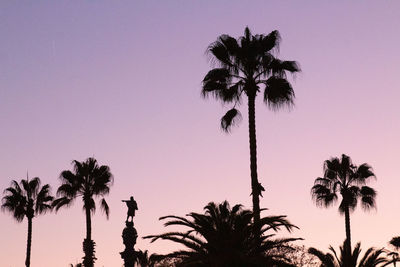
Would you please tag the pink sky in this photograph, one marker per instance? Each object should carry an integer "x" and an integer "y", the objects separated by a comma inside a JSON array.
[{"x": 121, "y": 81}]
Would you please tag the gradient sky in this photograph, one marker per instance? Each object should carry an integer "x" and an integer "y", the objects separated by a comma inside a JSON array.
[{"x": 121, "y": 80}]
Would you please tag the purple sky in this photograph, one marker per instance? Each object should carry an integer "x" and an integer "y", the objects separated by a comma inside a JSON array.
[{"x": 121, "y": 81}]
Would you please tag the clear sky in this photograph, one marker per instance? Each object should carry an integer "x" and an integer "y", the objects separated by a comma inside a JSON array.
[{"x": 121, "y": 81}]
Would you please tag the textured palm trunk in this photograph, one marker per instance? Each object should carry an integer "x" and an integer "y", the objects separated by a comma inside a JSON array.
[
  {"x": 88, "y": 225},
  {"x": 88, "y": 244},
  {"x": 29, "y": 244},
  {"x": 255, "y": 187},
  {"x": 347, "y": 225}
]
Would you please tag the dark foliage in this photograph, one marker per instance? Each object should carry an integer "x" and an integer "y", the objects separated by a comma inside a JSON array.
[
  {"x": 372, "y": 257},
  {"x": 224, "y": 237}
]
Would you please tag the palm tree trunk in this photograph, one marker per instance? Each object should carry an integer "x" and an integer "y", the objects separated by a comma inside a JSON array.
[
  {"x": 347, "y": 225},
  {"x": 255, "y": 186},
  {"x": 88, "y": 225},
  {"x": 88, "y": 244},
  {"x": 29, "y": 244}
]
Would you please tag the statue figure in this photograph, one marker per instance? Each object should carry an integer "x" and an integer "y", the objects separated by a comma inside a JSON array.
[
  {"x": 129, "y": 235},
  {"x": 132, "y": 207}
]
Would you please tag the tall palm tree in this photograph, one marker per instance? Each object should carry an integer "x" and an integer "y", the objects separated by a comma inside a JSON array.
[
  {"x": 87, "y": 180},
  {"x": 343, "y": 177},
  {"x": 225, "y": 237},
  {"x": 243, "y": 66},
  {"x": 373, "y": 257},
  {"x": 27, "y": 199}
]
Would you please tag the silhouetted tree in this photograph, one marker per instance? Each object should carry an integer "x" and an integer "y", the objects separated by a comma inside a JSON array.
[
  {"x": 225, "y": 237},
  {"x": 243, "y": 67},
  {"x": 299, "y": 256},
  {"x": 373, "y": 257},
  {"x": 343, "y": 177},
  {"x": 143, "y": 259},
  {"x": 88, "y": 180},
  {"x": 27, "y": 199},
  {"x": 395, "y": 242}
]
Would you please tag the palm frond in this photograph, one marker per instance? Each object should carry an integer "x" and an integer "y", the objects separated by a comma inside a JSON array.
[
  {"x": 105, "y": 208},
  {"x": 232, "y": 117},
  {"x": 62, "y": 202},
  {"x": 280, "y": 67},
  {"x": 216, "y": 82},
  {"x": 270, "y": 41},
  {"x": 68, "y": 190},
  {"x": 278, "y": 92},
  {"x": 368, "y": 196}
]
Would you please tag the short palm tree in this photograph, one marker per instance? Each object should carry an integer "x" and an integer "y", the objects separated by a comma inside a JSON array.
[
  {"x": 244, "y": 66},
  {"x": 225, "y": 237},
  {"x": 88, "y": 180},
  {"x": 343, "y": 177},
  {"x": 373, "y": 257},
  {"x": 27, "y": 199}
]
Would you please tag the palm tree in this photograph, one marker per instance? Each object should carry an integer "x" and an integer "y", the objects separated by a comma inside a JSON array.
[
  {"x": 373, "y": 257},
  {"x": 27, "y": 199},
  {"x": 395, "y": 242},
  {"x": 243, "y": 66},
  {"x": 342, "y": 176},
  {"x": 88, "y": 180},
  {"x": 225, "y": 237}
]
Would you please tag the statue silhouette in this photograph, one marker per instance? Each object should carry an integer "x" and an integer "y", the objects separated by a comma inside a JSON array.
[
  {"x": 129, "y": 235},
  {"x": 132, "y": 207}
]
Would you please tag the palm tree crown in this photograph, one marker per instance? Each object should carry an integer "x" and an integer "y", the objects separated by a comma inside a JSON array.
[
  {"x": 27, "y": 199},
  {"x": 372, "y": 257},
  {"x": 342, "y": 177},
  {"x": 88, "y": 180},
  {"x": 224, "y": 237},
  {"x": 243, "y": 66}
]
